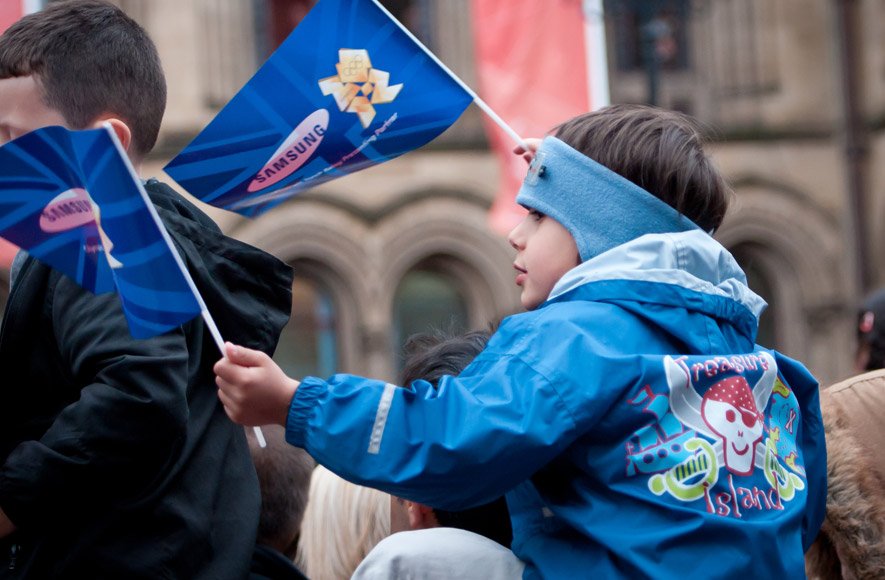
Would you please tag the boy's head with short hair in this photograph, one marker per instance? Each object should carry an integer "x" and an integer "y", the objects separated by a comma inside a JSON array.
[
  {"x": 430, "y": 357},
  {"x": 606, "y": 178},
  {"x": 89, "y": 62}
]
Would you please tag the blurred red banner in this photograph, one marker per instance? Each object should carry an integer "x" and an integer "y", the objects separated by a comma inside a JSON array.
[
  {"x": 532, "y": 67},
  {"x": 10, "y": 11}
]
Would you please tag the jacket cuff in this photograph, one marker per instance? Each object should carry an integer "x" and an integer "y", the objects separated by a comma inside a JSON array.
[{"x": 301, "y": 408}]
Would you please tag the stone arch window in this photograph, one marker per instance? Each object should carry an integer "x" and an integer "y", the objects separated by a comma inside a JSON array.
[
  {"x": 228, "y": 48},
  {"x": 758, "y": 266},
  {"x": 309, "y": 343},
  {"x": 644, "y": 30},
  {"x": 430, "y": 296},
  {"x": 793, "y": 254},
  {"x": 743, "y": 51}
]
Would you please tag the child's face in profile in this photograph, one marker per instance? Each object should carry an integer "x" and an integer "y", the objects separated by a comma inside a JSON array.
[
  {"x": 545, "y": 251},
  {"x": 22, "y": 109}
]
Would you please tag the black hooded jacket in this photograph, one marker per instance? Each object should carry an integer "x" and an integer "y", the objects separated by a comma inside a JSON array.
[{"x": 116, "y": 457}]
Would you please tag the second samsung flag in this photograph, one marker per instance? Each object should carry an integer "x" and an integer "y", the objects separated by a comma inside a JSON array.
[
  {"x": 71, "y": 200},
  {"x": 347, "y": 89}
]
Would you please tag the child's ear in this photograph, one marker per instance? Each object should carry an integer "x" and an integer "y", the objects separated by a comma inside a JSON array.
[
  {"x": 421, "y": 516},
  {"x": 124, "y": 134}
]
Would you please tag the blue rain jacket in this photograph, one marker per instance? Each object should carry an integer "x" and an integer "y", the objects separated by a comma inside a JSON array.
[{"x": 633, "y": 424}]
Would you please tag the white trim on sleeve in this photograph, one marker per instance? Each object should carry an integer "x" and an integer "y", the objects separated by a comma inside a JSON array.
[{"x": 381, "y": 419}]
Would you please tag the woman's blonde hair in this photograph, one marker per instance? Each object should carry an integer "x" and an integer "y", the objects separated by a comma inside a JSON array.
[{"x": 342, "y": 523}]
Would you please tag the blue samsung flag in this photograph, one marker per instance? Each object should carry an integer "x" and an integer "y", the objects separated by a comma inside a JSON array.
[
  {"x": 72, "y": 200},
  {"x": 348, "y": 89}
]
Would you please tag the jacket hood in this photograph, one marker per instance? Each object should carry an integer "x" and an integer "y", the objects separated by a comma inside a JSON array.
[
  {"x": 688, "y": 269},
  {"x": 247, "y": 291}
]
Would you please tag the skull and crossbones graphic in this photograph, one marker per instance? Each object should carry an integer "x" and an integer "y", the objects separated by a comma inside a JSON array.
[{"x": 730, "y": 412}]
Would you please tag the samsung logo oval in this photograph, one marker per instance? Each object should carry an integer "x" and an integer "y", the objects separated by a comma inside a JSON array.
[
  {"x": 66, "y": 211},
  {"x": 295, "y": 151}
]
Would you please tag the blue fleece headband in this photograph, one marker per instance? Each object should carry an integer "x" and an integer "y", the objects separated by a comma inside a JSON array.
[{"x": 597, "y": 206}]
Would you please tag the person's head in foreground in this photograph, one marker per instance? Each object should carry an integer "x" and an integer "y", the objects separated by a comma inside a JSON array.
[{"x": 78, "y": 64}]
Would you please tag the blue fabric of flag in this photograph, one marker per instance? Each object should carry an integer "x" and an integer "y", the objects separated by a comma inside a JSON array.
[
  {"x": 348, "y": 89},
  {"x": 53, "y": 183}
]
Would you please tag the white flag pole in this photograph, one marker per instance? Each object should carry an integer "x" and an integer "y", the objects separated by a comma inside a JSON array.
[
  {"x": 597, "y": 60},
  {"x": 479, "y": 102},
  {"x": 31, "y": 6},
  {"x": 204, "y": 311}
]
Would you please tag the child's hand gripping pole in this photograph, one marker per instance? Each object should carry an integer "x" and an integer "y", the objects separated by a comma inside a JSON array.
[
  {"x": 528, "y": 148},
  {"x": 219, "y": 342},
  {"x": 252, "y": 387}
]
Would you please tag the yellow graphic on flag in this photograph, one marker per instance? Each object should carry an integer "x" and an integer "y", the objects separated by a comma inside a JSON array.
[{"x": 358, "y": 86}]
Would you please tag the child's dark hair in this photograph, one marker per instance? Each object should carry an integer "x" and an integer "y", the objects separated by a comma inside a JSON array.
[
  {"x": 284, "y": 479},
  {"x": 90, "y": 58},
  {"x": 431, "y": 357},
  {"x": 660, "y": 151}
]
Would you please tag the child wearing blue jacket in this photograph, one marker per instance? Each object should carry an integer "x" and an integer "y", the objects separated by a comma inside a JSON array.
[{"x": 632, "y": 422}]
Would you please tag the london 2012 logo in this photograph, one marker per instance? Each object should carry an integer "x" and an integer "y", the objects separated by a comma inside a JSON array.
[{"x": 358, "y": 86}]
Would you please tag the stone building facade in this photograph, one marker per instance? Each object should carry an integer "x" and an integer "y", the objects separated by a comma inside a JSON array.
[{"x": 793, "y": 92}]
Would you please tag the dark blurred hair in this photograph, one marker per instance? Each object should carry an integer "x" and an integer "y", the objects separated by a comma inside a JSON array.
[
  {"x": 431, "y": 357},
  {"x": 284, "y": 478},
  {"x": 660, "y": 151},
  {"x": 90, "y": 58},
  {"x": 871, "y": 329}
]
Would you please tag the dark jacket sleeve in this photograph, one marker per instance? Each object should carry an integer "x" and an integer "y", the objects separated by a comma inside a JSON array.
[{"x": 113, "y": 442}]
